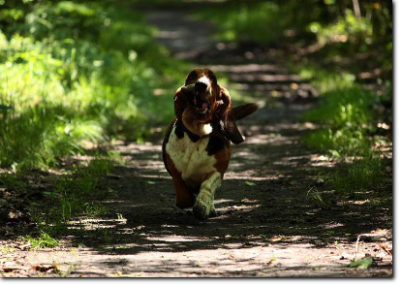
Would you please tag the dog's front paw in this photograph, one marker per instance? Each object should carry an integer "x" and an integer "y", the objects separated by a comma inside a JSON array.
[{"x": 204, "y": 207}]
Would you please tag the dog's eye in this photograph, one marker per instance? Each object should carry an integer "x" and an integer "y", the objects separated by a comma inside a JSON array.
[{"x": 191, "y": 76}]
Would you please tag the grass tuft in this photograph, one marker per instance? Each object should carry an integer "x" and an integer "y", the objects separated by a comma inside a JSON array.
[{"x": 44, "y": 240}]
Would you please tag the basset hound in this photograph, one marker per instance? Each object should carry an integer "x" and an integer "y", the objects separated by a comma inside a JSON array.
[{"x": 196, "y": 147}]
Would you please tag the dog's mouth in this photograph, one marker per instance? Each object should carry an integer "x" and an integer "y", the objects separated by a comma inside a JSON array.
[
  {"x": 202, "y": 107},
  {"x": 200, "y": 115}
]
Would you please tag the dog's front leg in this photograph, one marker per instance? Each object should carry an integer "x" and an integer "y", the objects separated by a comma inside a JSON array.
[{"x": 204, "y": 206}]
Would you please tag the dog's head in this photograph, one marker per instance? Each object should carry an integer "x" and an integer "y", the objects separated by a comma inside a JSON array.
[
  {"x": 202, "y": 101},
  {"x": 202, "y": 92}
]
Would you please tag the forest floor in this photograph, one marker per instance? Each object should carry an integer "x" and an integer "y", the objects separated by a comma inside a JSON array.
[{"x": 271, "y": 222}]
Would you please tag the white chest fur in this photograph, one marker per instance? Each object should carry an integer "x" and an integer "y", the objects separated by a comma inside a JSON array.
[{"x": 190, "y": 158}]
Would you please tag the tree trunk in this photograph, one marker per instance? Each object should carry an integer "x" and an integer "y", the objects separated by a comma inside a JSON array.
[{"x": 357, "y": 9}]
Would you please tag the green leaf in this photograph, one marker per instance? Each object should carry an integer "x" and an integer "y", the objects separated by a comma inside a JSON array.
[
  {"x": 249, "y": 184},
  {"x": 362, "y": 263},
  {"x": 151, "y": 182}
]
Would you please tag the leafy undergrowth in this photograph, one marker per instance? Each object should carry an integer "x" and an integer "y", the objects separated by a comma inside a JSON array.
[
  {"x": 74, "y": 75},
  {"x": 353, "y": 131}
]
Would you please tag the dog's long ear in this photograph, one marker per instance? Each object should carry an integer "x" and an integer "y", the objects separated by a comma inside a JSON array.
[
  {"x": 179, "y": 103},
  {"x": 224, "y": 113}
]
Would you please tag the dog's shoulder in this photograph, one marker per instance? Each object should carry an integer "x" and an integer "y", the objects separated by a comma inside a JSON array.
[{"x": 218, "y": 141}]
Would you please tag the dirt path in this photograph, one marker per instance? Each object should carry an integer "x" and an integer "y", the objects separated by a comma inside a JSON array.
[{"x": 268, "y": 224}]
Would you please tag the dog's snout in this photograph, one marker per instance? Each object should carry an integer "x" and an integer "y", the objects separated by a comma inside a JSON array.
[{"x": 200, "y": 86}]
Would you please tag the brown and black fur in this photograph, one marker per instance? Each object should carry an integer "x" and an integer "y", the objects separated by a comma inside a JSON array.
[{"x": 221, "y": 117}]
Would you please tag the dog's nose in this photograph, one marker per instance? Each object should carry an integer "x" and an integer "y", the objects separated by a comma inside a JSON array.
[{"x": 200, "y": 86}]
